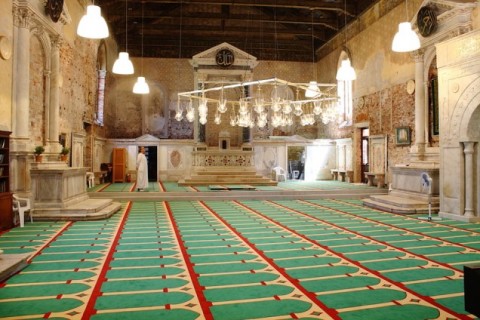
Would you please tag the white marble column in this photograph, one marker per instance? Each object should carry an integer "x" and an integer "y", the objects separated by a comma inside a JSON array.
[
  {"x": 420, "y": 116},
  {"x": 54, "y": 105},
  {"x": 21, "y": 74},
  {"x": 468, "y": 150}
]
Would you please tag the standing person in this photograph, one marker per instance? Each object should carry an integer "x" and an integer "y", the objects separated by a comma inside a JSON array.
[{"x": 142, "y": 170}]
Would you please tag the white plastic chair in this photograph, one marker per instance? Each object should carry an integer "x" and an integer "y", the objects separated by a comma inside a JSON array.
[
  {"x": 280, "y": 172},
  {"x": 90, "y": 179},
  {"x": 20, "y": 206}
]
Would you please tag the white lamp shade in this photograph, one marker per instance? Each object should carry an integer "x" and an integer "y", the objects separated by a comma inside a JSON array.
[
  {"x": 346, "y": 71},
  {"x": 405, "y": 39},
  {"x": 141, "y": 86},
  {"x": 92, "y": 25},
  {"x": 123, "y": 65},
  {"x": 312, "y": 90}
]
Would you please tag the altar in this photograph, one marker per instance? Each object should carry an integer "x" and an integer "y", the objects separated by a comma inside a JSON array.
[{"x": 59, "y": 192}]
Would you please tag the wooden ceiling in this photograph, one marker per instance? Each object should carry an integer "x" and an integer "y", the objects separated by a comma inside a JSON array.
[{"x": 268, "y": 29}]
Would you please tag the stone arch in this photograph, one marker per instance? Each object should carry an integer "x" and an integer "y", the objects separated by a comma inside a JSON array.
[
  {"x": 473, "y": 128},
  {"x": 39, "y": 105},
  {"x": 102, "y": 56},
  {"x": 342, "y": 56},
  {"x": 45, "y": 41},
  {"x": 463, "y": 114}
]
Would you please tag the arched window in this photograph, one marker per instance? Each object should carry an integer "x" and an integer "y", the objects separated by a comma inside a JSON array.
[
  {"x": 344, "y": 91},
  {"x": 433, "y": 99},
  {"x": 101, "y": 75}
]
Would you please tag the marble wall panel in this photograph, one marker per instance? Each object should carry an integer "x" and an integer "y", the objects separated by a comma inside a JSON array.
[{"x": 37, "y": 94}]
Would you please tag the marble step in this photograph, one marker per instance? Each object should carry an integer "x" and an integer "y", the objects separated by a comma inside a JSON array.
[
  {"x": 401, "y": 205},
  {"x": 12, "y": 263},
  {"x": 227, "y": 180},
  {"x": 90, "y": 209},
  {"x": 226, "y": 172}
]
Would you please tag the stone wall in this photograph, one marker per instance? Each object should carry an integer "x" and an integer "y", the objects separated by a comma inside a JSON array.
[
  {"x": 167, "y": 77},
  {"x": 6, "y": 30},
  {"x": 37, "y": 92}
]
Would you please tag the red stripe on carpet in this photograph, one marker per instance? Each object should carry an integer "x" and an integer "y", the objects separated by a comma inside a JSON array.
[
  {"x": 132, "y": 188},
  {"x": 414, "y": 232},
  {"x": 446, "y": 266},
  {"x": 46, "y": 244},
  {"x": 103, "y": 188},
  {"x": 376, "y": 273},
  {"x": 89, "y": 309},
  {"x": 204, "y": 303},
  {"x": 161, "y": 186},
  {"x": 313, "y": 298}
]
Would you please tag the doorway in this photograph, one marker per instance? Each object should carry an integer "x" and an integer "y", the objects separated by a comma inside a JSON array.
[
  {"x": 296, "y": 162},
  {"x": 365, "y": 132},
  {"x": 151, "y": 154}
]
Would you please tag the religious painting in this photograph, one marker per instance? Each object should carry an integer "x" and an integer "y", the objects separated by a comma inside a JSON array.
[{"x": 402, "y": 136}]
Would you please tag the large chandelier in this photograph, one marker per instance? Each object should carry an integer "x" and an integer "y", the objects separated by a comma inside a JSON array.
[{"x": 279, "y": 110}]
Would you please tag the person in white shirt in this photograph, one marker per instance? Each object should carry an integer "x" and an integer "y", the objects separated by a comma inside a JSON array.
[{"x": 142, "y": 170}]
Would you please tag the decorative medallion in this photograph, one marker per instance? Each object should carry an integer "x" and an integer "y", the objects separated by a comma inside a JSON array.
[
  {"x": 175, "y": 158},
  {"x": 426, "y": 21},
  {"x": 54, "y": 8},
  {"x": 5, "y": 48},
  {"x": 410, "y": 86},
  {"x": 224, "y": 58}
]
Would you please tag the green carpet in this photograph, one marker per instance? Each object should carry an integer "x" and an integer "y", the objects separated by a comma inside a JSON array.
[{"x": 316, "y": 259}]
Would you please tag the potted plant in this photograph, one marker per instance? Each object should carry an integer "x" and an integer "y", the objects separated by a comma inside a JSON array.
[
  {"x": 38, "y": 153},
  {"x": 64, "y": 153}
]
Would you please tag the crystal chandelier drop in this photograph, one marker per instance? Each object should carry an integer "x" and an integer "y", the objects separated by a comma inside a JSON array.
[{"x": 280, "y": 110}]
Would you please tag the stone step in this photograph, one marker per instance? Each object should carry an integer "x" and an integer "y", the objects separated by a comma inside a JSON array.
[
  {"x": 209, "y": 180},
  {"x": 231, "y": 172},
  {"x": 400, "y": 205},
  {"x": 90, "y": 209},
  {"x": 226, "y": 175},
  {"x": 12, "y": 263},
  {"x": 226, "y": 178}
]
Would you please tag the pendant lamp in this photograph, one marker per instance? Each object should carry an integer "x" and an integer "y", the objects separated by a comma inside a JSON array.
[
  {"x": 123, "y": 65},
  {"x": 141, "y": 86},
  {"x": 313, "y": 90},
  {"x": 92, "y": 25},
  {"x": 405, "y": 40},
  {"x": 346, "y": 71}
]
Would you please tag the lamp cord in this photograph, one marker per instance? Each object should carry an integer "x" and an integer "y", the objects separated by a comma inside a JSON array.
[
  {"x": 406, "y": 9},
  {"x": 180, "y": 30},
  {"x": 143, "y": 5},
  {"x": 345, "y": 21},
  {"x": 313, "y": 52},
  {"x": 126, "y": 26}
]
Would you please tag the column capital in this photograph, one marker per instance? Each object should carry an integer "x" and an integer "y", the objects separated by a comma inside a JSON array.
[
  {"x": 22, "y": 17},
  {"x": 468, "y": 147},
  {"x": 417, "y": 55},
  {"x": 56, "y": 41}
]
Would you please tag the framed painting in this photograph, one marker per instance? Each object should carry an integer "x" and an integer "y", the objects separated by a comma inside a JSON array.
[{"x": 402, "y": 136}]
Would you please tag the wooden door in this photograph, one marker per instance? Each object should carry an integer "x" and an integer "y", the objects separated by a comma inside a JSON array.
[
  {"x": 119, "y": 165},
  {"x": 365, "y": 151}
]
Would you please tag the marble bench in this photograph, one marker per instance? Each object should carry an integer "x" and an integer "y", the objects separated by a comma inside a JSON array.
[
  {"x": 378, "y": 177},
  {"x": 342, "y": 175}
]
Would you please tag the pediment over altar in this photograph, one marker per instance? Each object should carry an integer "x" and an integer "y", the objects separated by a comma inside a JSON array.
[
  {"x": 147, "y": 138},
  {"x": 208, "y": 58}
]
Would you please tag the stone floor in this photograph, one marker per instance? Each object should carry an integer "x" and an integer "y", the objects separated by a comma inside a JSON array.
[{"x": 11, "y": 264}]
